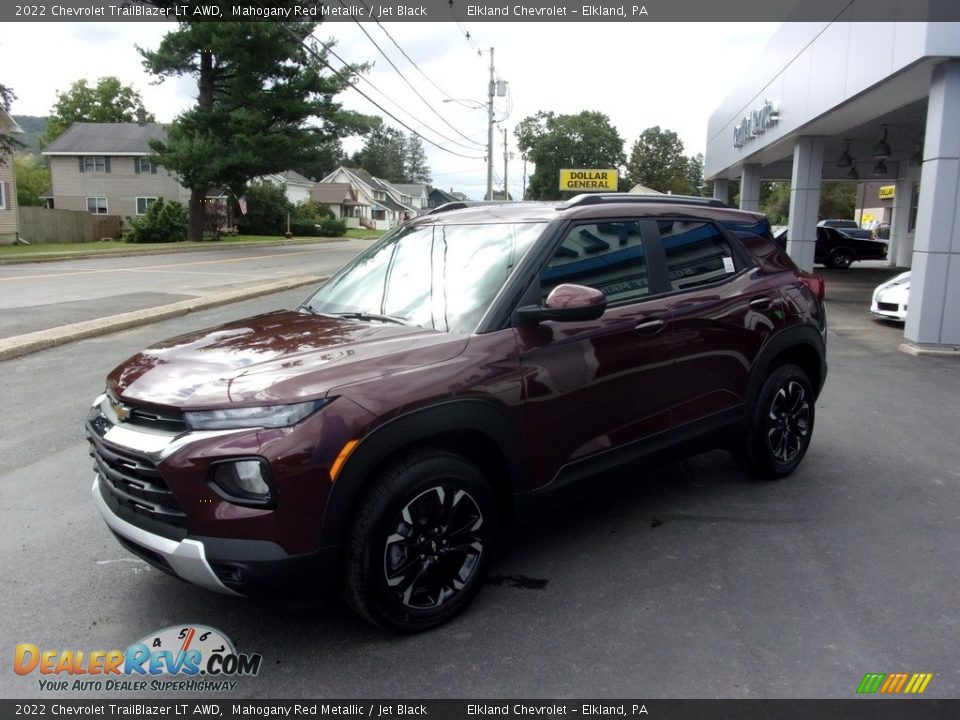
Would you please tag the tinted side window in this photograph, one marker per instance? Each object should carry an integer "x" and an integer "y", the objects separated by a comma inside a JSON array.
[
  {"x": 608, "y": 256},
  {"x": 696, "y": 252}
]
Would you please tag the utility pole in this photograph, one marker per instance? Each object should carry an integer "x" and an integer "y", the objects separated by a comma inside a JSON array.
[
  {"x": 490, "y": 93},
  {"x": 506, "y": 193}
]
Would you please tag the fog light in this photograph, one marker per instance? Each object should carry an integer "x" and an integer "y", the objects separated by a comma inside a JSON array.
[{"x": 243, "y": 481}]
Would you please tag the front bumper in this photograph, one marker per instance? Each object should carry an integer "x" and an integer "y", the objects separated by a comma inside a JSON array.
[{"x": 186, "y": 558}]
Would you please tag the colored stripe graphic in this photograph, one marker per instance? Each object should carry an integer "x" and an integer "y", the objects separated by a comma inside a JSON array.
[{"x": 894, "y": 683}]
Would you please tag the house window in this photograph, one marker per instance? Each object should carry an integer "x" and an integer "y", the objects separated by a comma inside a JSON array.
[
  {"x": 95, "y": 163},
  {"x": 3, "y": 196},
  {"x": 145, "y": 166},
  {"x": 97, "y": 205},
  {"x": 143, "y": 203}
]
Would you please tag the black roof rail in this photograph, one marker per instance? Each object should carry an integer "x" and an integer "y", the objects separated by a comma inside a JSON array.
[
  {"x": 602, "y": 198},
  {"x": 461, "y": 204},
  {"x": 458, "y": 205}
]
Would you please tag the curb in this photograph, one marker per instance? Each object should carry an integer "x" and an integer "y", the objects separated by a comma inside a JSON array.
[{"x": 20, "y": 345}]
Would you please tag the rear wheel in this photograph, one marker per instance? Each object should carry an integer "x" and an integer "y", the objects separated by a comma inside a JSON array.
[
  {"x": 781, "y": 424},
  {"x": 421, "y": 542},
  {"x": 841, "y": 258}
]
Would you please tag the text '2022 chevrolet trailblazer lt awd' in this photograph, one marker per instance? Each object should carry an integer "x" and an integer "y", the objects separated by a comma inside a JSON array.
[{"x": 379, "y": 438}]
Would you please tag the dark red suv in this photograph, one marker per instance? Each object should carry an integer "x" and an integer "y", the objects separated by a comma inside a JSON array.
[{"x": 379, "y": 437}]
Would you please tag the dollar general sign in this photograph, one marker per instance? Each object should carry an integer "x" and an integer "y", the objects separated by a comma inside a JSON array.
[{"x": 589, "y": 180}]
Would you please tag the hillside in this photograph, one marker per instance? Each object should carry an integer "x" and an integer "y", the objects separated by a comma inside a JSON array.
[{"x": 33, "y": 127}]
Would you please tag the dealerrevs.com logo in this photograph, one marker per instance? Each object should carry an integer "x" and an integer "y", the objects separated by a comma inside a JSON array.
[
  {"x": 894, "y": 683},
  {"x": 181, "y": 657}
]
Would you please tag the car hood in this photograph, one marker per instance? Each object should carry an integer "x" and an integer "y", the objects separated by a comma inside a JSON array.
[{"x": 280, "y": 357}]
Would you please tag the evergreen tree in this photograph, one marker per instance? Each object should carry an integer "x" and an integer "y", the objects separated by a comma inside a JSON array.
[
  {"x": 8, "y": 143},
  {"x": 258, "y": 86},
  {"x": 417, "y": 170}
]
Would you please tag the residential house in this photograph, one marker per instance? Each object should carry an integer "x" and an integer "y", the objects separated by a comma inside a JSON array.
[
  {"x": 103, "y": 168},
  {"x": 381, "y": 204},
  {"x": 341, "y": 198},
  {"x": 8, "y": 186},
  {"x": 296, "y": 186},
  {"x": 417, "y": 192},
  {"x": 438, "y": 197}
]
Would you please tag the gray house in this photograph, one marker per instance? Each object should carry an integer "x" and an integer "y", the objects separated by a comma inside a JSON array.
[
  {"x": 103, "y": 168},
  {"x": 8, "y": 186}
]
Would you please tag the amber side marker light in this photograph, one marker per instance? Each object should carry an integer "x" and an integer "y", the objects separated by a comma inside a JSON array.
[{"x": 341, "y": 459}]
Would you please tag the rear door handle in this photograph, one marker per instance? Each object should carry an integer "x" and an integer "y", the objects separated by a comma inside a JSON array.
[
  {"x": 649, "y": 327},
  {"x": 761, "y": 303}
]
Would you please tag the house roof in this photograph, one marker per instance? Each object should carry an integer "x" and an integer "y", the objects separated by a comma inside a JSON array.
[
  {"x": 106, "y": 139},
  {"x": 292, "y": 176},
  {"x": 7, "y": 120},
  {"x": 413, "y": 189},
  {"x": 639, "y": 189},
  {"x": 444, "y": 195},
  {"x": 334, "y": 194}
]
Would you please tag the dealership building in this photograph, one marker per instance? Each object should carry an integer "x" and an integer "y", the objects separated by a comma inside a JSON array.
[{"x": 871, "y": 103}]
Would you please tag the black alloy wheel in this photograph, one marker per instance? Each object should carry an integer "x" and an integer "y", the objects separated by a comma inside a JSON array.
[
  {"x": 421, "y": 542},
  {"x": 781, "y": 424}
]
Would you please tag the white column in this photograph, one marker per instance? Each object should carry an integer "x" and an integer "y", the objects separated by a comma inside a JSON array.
[
  {"x": 750, "y": 188},
  {"x": 901, "y": 245},
  {"x": 721, "y": 189},
  {"x": 933, "y": 320},
  {"x": 805, "y": 200}
]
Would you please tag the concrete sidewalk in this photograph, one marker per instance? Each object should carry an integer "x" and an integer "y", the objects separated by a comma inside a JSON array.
[{"x": 18, "y": 345}]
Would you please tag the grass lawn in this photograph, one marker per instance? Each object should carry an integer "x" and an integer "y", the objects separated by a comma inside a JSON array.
[{"x": 46, "y": 251}]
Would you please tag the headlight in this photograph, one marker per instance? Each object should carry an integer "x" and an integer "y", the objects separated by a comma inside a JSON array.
[{"x": 268, "y": 416}]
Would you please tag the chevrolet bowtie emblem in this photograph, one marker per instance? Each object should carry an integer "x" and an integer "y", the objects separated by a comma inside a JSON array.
[{"x": 121, "y": 411}]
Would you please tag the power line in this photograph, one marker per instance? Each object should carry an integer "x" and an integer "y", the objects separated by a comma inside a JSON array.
[
  {"x": 404, "y": 78},
  {"x": 373, "y": 102}
]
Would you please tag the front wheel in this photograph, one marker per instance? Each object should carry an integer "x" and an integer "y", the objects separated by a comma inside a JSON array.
[
  {"x": 421, "y": 542},
  {"x": 841, "y": 258},
  {"x": 781, "y": 424}
]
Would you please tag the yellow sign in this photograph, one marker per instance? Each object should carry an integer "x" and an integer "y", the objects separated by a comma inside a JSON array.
[
  {"x": 589, "y": 180},
  {"x": 888, "y": 192}
]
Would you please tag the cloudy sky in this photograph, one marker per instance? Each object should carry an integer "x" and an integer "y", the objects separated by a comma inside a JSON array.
[{"x": 638, "y": 74}]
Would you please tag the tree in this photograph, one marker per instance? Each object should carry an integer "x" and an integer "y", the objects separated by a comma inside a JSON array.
[
  {"x": 267, "y": 210},
  {"x": 8, "y": 143},
  {"x": 694, "y": 173},
  {"x": 837, "y": 200},
  {"x": 107, "y": 101},
  {"x": 384, "y": 154},
  {"x": 417, "y": 170},
  {"x": 553, "y": 142},
  {"x": 32, "y": 179},
  {"x": 657, "y": 161},
  {"x": 258, "y": 85}
]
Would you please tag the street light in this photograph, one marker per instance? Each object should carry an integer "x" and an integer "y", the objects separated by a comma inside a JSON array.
[{"x": 495, "y": 89}]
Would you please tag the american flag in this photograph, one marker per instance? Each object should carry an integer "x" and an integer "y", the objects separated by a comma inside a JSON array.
[{"x": 242, "y": 202}]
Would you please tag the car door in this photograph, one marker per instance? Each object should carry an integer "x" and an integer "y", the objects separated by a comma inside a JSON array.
[
  {"x": 592, "y": 387},
  {"x": 721, "y": 312}
]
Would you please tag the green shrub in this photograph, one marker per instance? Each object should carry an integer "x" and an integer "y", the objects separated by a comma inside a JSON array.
[
  {"x": 311, "y": 210},
  {"x": 332, "y": 227},
  {"x": 267, "y": 208},
  {"x": 163, "y": 222},
  {"x": 304, "y": 228}
]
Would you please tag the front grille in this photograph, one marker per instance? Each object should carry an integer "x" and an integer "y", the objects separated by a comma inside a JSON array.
[
  {"x": 135, "y": 483},
  {"x": 889, "y": 307},
  {"x": 149, "y": 417},
  {"x": 155, "y": 559}
]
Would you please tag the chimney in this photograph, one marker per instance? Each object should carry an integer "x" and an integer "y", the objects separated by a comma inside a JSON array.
[{"x": 141, "y": 116}]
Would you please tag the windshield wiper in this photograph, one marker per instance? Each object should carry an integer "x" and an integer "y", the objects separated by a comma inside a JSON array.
[{"x": 372, "y": 317}]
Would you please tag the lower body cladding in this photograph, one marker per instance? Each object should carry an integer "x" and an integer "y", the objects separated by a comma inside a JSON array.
[
  {"x": 232, "y": 567},
  {"x": 158, "y": 494}
]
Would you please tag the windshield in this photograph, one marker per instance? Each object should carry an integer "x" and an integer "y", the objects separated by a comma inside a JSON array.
[{"x": 436, "y": 276}]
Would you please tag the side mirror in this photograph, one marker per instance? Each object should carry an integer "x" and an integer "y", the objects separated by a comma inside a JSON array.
[{"x": 565, "y": 303}]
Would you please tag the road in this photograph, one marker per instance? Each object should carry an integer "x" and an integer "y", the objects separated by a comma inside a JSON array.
[
  {"x": 45, "y": 295},
  {"x": 688, "y": 581}
]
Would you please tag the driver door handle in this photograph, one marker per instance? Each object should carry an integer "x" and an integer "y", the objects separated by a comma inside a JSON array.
[
  {"x": 649, "y": 327},
  {"x": 761, "y": 303}
]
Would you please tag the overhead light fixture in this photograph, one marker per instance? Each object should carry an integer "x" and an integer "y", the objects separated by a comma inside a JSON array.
[
  {"x": 916, "y": 159},
  {"x": 853, "y": 174},
  {"x": 882, "y": 150},
  {"x": 880, "y": 168},
  {"x": 845, "y": 161}
]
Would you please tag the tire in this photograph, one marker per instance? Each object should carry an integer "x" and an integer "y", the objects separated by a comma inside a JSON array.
[
  {"x": 841, "y": 258},
  {"x": 781, "y": 424},
  {"x": 421, "y": 543}
]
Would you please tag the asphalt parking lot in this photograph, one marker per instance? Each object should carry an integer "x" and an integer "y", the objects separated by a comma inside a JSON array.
[{"x": 688, "y": 580}]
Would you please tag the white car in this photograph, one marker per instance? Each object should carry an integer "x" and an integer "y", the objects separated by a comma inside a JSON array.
[{"x": 890, "y": 298}]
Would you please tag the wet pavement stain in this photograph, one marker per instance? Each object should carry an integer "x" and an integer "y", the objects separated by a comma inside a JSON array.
[{"x": 521, "y": 582}]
